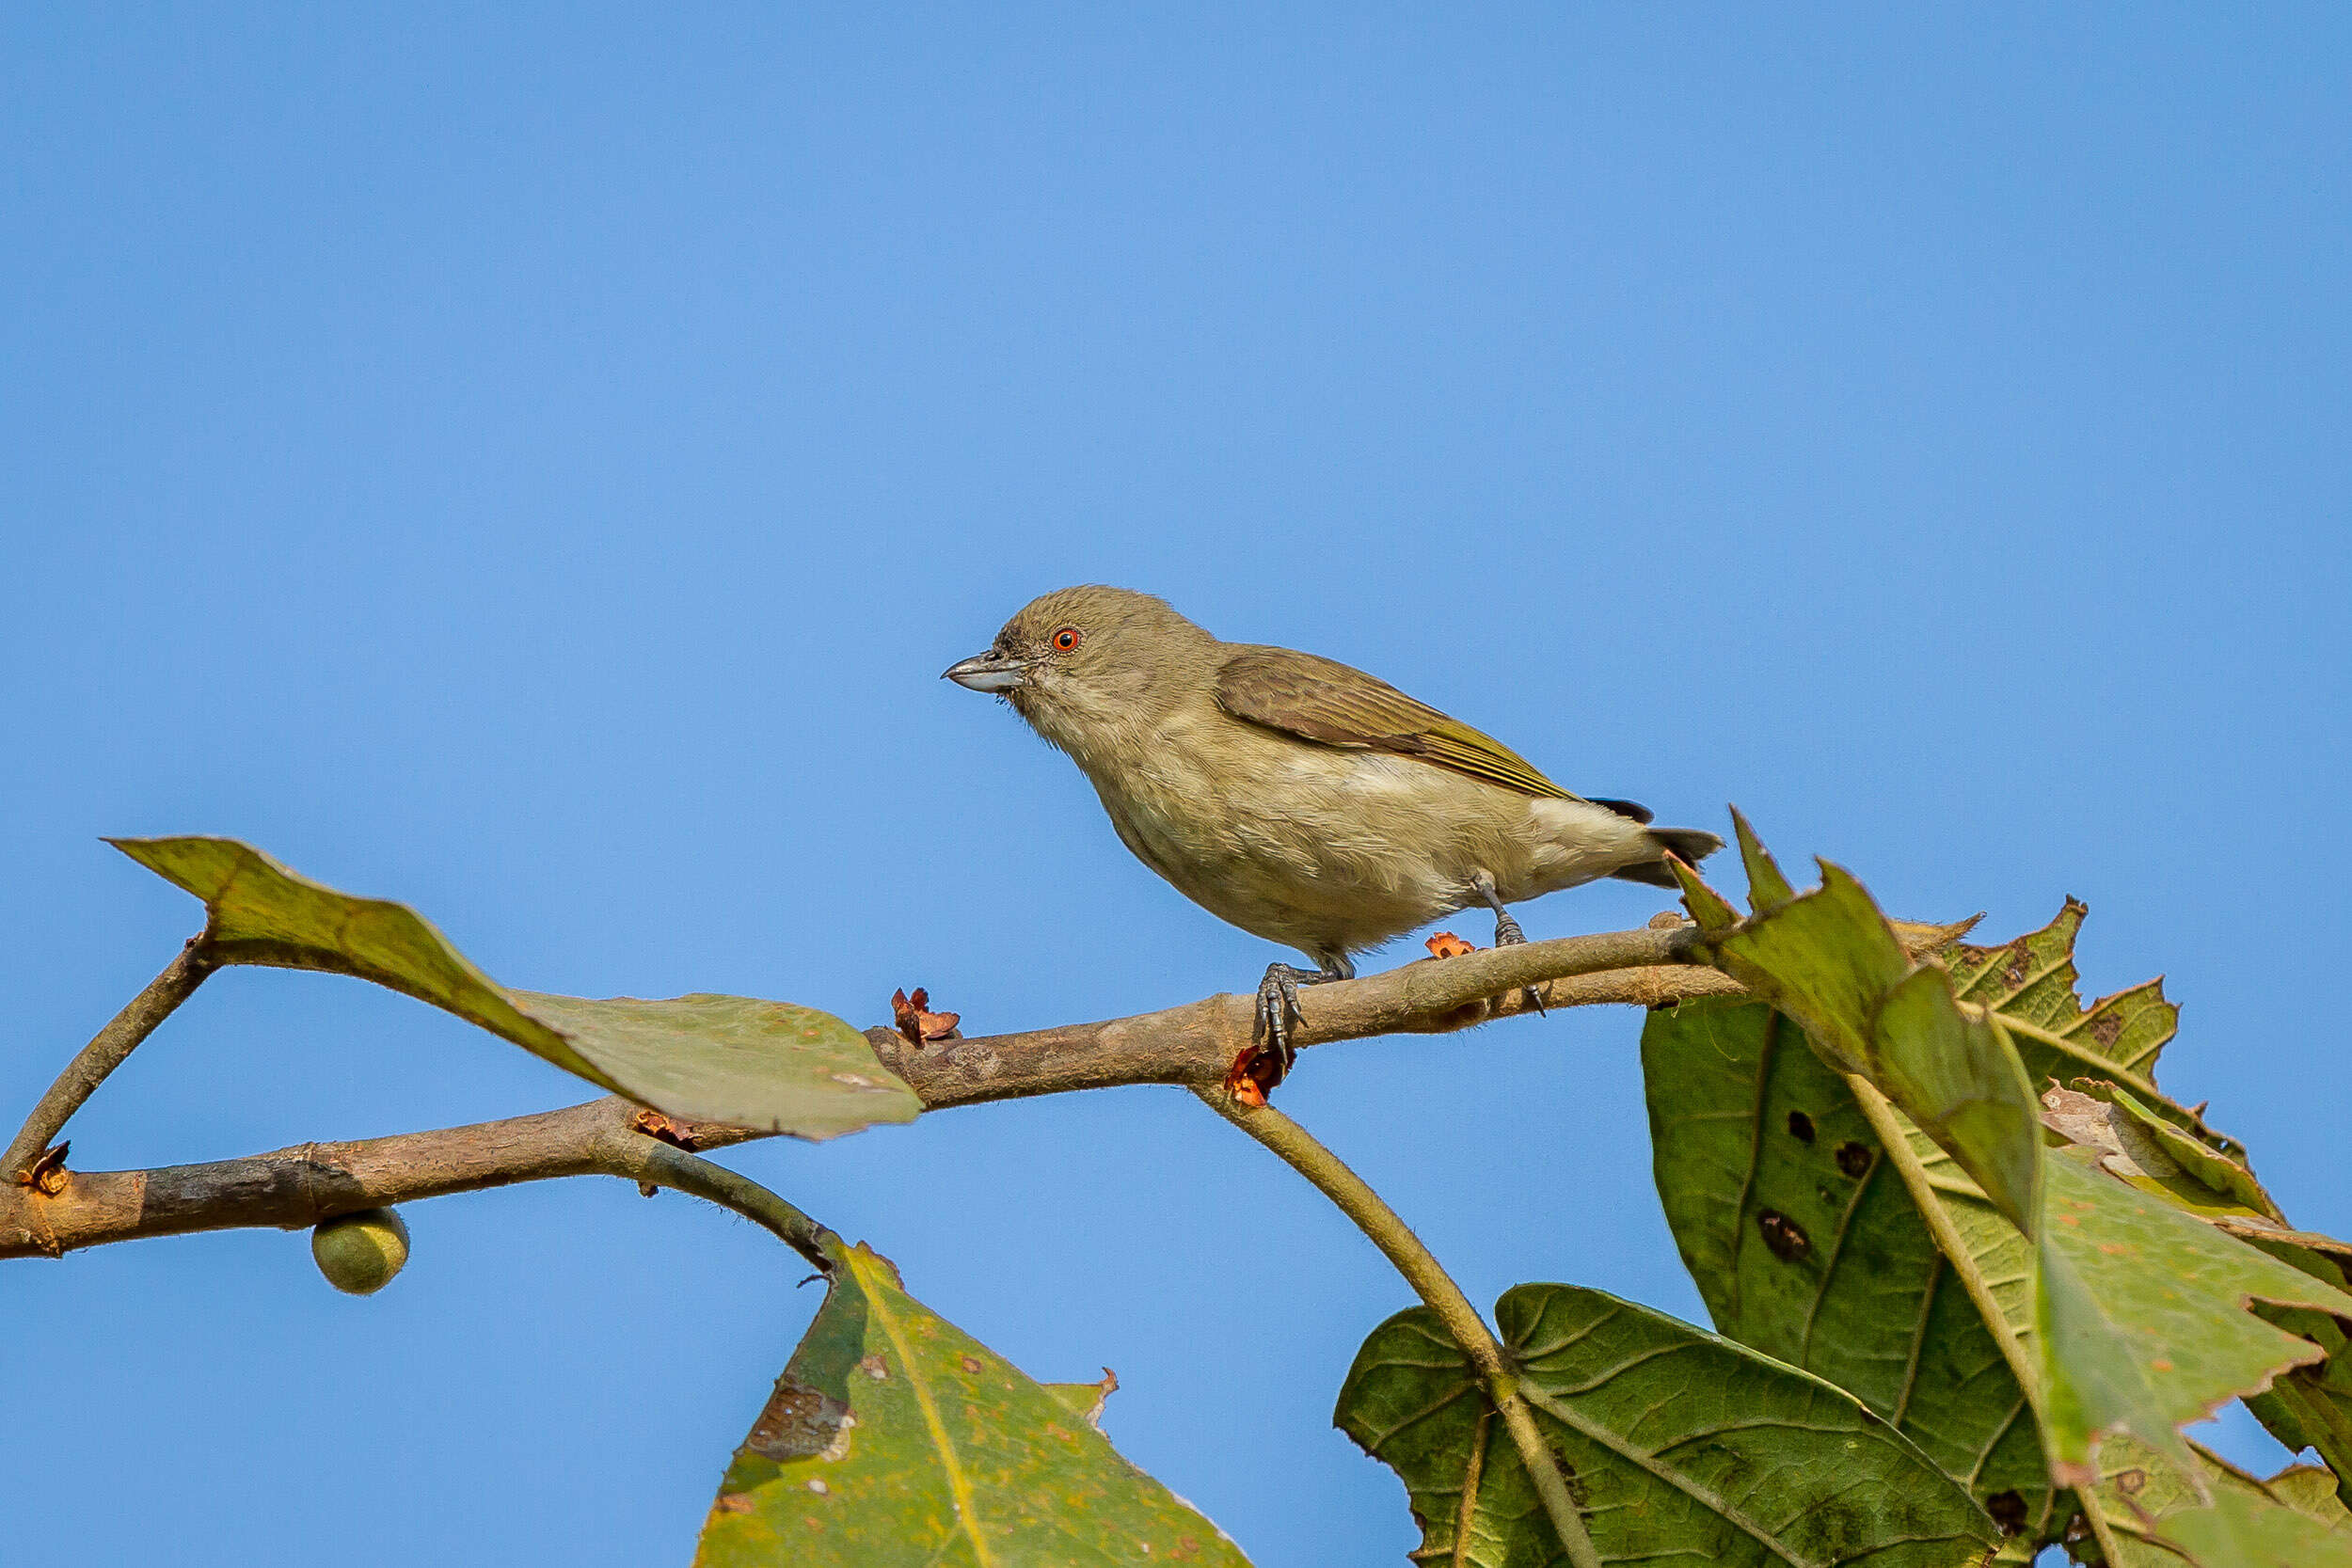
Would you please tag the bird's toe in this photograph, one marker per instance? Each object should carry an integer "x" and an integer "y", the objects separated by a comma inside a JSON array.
[{"x": 1277, "y": 1003}]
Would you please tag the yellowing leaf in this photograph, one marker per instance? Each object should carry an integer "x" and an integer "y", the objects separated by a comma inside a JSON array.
[
  {"x": 895, "y": 1440},
  {"x": 731, "y": 1059}
]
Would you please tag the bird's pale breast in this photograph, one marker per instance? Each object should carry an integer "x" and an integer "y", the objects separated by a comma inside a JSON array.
[{"x": 1335, "y": 850}]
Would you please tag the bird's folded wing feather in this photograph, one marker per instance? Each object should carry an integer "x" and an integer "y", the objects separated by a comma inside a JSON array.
[{"x": 1325, "y": 701}]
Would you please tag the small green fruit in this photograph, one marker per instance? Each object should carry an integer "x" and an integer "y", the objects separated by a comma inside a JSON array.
[{"x": 360, "y": 1253}]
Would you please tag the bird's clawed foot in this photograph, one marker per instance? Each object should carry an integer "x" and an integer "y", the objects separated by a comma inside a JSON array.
[
  {"x": 1277, "y": 1006},
  {"x": 1507, "y": 933}
]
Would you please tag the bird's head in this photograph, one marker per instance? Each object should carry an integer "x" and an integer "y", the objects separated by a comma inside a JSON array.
[{"x": 1085, "y": 664}]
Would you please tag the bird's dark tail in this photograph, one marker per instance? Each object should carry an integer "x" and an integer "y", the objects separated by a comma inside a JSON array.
[{"x": 1691, "y": 845}]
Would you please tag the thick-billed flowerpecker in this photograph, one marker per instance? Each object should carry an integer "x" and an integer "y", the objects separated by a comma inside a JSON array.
[{"x": 1303, "y": 800}]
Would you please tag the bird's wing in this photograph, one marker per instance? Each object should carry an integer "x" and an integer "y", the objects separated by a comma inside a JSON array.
[{"x": 1325, "y": 701}]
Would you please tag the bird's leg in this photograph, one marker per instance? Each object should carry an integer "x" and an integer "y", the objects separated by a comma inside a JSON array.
[
  {"x": 1277, "y": 1000},
  {"x": 1507, "y": 932}
]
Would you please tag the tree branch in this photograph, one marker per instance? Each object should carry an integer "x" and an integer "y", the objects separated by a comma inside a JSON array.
[
  {"x": 105, "y": 1051},
  {"x": 1197, "y": 1042},
  {"x": 1193, "y": 1045},
  {"x": 295, "y": 1188},
  {"x": 658, "y": 1165}
]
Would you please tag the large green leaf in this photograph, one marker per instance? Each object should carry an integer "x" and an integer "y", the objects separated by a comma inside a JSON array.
[
  {"x": 1828, "y": 959},
  {"x": 1679, "y": 1446},
  {"x": 895, "y": 1440},
  {"x": 2309, "y": 1406},
  {"x": 2149, "y": 1296},
  {"x": 1807, "y": 1246},
  {"x": 2139, "y": 1317},
  {"x": 733, "y": 1059}
]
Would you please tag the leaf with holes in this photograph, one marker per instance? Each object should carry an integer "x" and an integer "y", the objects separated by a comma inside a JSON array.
[
  {"x": 731, "y": 1059},
  {"x": 1831, "y": 960},
  {"x": 1805, "y": 1245},
  {"x": 1679, "y": 1447},
  {"x": 2136, "y": 1312},
  {"x": 2139, "y": 1317},
  {"x": 895, "y": 1440}
]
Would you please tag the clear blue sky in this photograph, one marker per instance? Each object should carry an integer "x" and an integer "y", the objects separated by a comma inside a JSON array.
[{"x": 534, "y": 462}]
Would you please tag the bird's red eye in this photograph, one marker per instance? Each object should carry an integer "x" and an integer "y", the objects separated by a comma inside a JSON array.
[{"x": 1066, "y": 639}]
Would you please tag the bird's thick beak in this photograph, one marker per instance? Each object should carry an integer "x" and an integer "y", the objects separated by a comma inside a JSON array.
[{"x": 987, "y": 671}]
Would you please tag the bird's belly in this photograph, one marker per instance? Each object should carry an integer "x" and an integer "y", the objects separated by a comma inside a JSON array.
[{"x": 1328, "y": 851}]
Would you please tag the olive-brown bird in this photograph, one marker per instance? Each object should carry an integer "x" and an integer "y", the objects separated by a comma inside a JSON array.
[{"x": 1304, "y": 802}]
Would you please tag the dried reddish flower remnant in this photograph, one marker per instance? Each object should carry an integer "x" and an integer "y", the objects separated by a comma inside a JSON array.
[
  {"x": 1254, "y": 1071},
  {"x": 1445, "y": 944},
  {"x": 47, "y": 1174},
  {"x": 653, "y": 1124},
  {"x": 917, "y": 1022}
]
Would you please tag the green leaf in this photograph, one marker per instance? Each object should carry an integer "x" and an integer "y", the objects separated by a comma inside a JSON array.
[
  {"x": 732, "y": 1059},
  {"x": 2201, "y": 1162},
  {"x": 2135, "y": 1144},
  {"x": 2139, "y": 1317},
  {"x": 2031, "y": 983},
  {"x": 1766, "y": 885},
  {"x": 2033, "y": 979},
  {"x": 1679, "y": 1446},
  {"x": 1828, "y": 959},
  {"x": 2311, "y": 1408},
  {"x": 2091, "y": 1384},
  {"x": 2242, "y": 1532},
  {"x": 2170, "y": 1294},
  {"x": 2224, "y": 1518},
  {"x": 2308, "y": 1406},
  {"x": 895, "y": 1440},
  {"x": 2312, "y": 1490},
  {"x": 1807, "y": 1246},
  {"x": 1956, "y": 1077}
]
